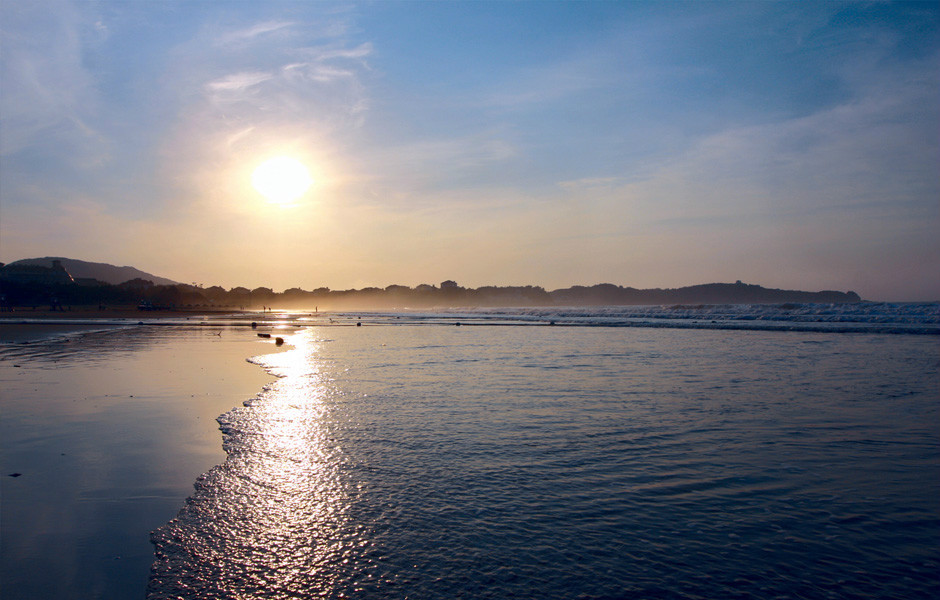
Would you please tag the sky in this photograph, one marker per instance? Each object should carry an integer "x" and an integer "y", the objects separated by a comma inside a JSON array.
[{"x": 787, "y": 144}]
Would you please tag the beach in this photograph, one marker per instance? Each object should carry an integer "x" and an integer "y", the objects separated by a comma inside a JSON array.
[
  {"x": 25, "y": 325},
  {"x": 573, "y": 452},
  {"x": 106, "y": 433},
  {"x": 469, "y": 300}
]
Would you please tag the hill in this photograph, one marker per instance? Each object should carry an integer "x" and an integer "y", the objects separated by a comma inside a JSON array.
[
  {"x": 103, "y": 272},
  {"x": 709, "y": 293},
  {"x": 26, "y": 282}
]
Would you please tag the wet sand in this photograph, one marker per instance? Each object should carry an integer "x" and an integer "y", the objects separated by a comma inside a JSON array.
[
  {"x": 116, "y": 312},
  {"x": 34, "y": 325},
  {"x": 12, "y": 332},
  {"x": 107, "y": 432}
]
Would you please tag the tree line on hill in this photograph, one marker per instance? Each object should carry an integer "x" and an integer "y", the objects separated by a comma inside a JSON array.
[{"x": 146, "y": 295}]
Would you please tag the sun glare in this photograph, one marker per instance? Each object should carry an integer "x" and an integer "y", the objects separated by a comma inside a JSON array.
[{"x": 282, "y": 180}]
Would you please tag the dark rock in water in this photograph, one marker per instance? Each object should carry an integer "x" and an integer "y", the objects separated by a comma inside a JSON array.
[
  {"x": 254, "y": 325},
  {"x": 264, "y": 335},
  {"x": 278, "y": 341}
]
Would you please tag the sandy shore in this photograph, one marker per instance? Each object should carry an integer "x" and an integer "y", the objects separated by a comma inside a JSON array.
[
  {"x": 12, "y": 333},
  {"x": 107, "y": 435},
  {"x": 126, "y": 312}
]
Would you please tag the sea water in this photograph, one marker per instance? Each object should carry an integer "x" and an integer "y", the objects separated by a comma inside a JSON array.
[{"x": 577, "y": 454}]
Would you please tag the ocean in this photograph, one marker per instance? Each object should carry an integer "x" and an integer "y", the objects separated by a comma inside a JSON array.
[{"x": 787, "y": 451}]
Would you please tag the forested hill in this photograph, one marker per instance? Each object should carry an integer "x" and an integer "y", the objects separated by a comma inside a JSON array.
[
  {"x": 99, "y": 283},
  {"x": 710, "y": 293},
  {"x": 103, "y": 272}
]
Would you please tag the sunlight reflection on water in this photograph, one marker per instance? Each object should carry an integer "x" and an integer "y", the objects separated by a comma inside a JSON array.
[
  {"x": 270, "y": 517},
  {"x": 551, "y": 462}
]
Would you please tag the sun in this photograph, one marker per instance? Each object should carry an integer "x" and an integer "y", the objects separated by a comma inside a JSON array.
[{"x": 282, "y": 179}]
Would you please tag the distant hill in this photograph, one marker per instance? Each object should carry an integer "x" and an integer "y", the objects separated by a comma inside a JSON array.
[
  {"x": 709, "y": 293},
  {"x": 449, "y": 294},
  {"x": 101, "y": 271}
]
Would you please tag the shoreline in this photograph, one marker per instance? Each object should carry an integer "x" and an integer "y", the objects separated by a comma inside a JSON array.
[
  {"x": 121, "y": 312},
  {"x": 25, "y": 333},
  {"x": 39, "y": 325},
  {"x": 109, "y": 433}
]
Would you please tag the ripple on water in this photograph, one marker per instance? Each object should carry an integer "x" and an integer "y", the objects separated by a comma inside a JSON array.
[{"x": 386, "y": 476}]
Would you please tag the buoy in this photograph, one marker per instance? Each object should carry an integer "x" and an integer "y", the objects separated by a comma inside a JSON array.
[{"x": 278, "y": 341}]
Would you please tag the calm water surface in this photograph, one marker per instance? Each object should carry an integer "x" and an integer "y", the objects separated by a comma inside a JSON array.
[{"x": 565, "y": 462}]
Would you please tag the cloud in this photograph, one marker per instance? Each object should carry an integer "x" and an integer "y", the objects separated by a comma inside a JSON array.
[
  {"x": 46, "y": 86},
  {"x": 453, "y": 171},
  {"x": 237, "y": 82},
  {"x": 878, "y": 149},
  {"x": 284, "y": 88},
  {"x": 551, "y": 83},
  {"x": 316, "y": 72},
  {"x": 831, "y": 198},
  {"x": 247, "y": 34},
  {"x": 670, "y": 145},
  {"x": 329, "y": 53}
]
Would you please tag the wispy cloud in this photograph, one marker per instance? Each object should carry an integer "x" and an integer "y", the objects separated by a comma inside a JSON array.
[
  {"x": 651, "y": 144},
  {"x": 46, "y": 87},
  {"x": 329, "y": 53},
  {"x": 247, "y": 34},
  {"x": 550, "y": 83},
  {"x": 237, "y": 104},
  {"x": 418, "y": 173},
  {"x": 875, "y": 150},
  {"x": 238, "y": 81}
]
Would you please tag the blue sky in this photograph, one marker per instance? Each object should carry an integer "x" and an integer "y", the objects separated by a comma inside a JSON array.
[{"x": 793, "y": 145}]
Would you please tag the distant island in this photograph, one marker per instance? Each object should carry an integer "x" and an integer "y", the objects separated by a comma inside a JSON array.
[{"x": 60, "y": 282}]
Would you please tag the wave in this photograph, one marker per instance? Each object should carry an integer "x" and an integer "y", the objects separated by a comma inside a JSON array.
[{"x": 866, "y": 317}]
